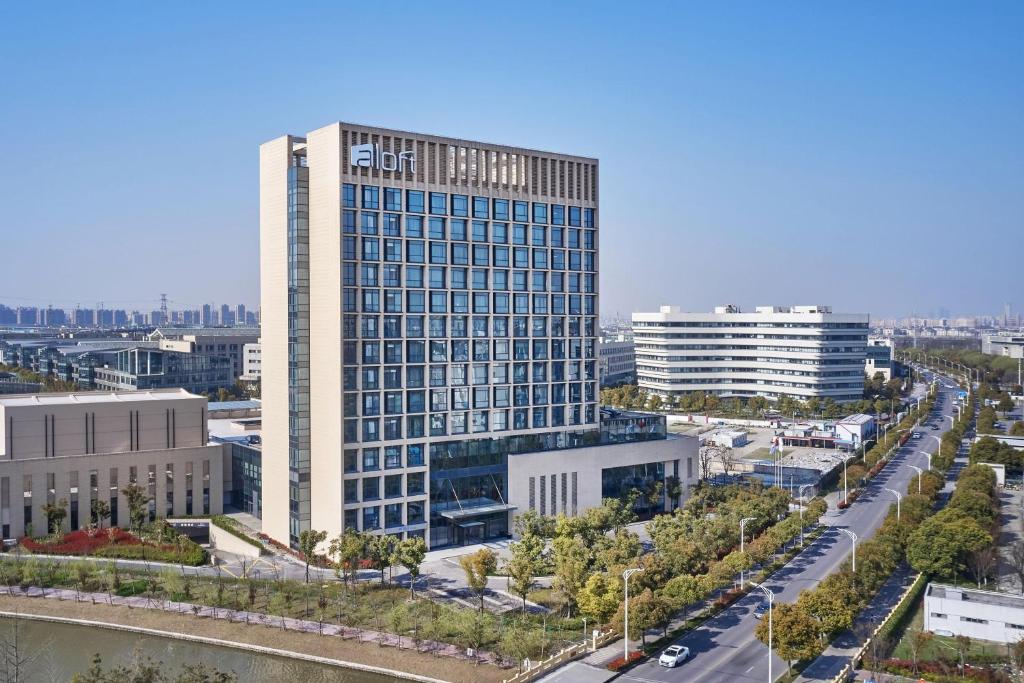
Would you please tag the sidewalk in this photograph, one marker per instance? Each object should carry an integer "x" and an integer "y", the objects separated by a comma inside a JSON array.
[
  {"x": 837, "y": 655},
  {"x": 273, "y": 621}
]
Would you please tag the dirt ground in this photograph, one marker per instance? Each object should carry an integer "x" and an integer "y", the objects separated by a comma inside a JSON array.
[{"x": 447, "y": 669}]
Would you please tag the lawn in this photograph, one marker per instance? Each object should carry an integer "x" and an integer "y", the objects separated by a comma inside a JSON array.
[{"x": 942, "y": 647}]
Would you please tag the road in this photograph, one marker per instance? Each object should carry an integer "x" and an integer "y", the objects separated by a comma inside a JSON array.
[{"x": 724, "y": 648}]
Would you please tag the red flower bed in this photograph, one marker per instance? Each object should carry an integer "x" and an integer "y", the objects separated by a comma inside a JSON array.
[
  {"x": 81, "y": 542},
  {"x": 620, "y": 662}
]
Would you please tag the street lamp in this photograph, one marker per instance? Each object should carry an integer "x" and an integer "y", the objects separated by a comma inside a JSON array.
[
  {"x": 920, "y": 475},
  {"x": 625, "y": 620},
  {"x": 846, "y": 495},
  {"x": 929, "y": 457},
  {"x": 743, "y": 524},
  {"x": 952, "y": 421},
  {"x": 853, "y": 543},
  {"x": 899, "y": 497},
  {"x": 801, "y": 497},
  {"x": 771, "y": 599}
]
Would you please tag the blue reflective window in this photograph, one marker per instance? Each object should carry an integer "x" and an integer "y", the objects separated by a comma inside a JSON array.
[
  {"x": 348, "y": 196},
  {"x": 439, "y": 203},
  {"x": 414, "y": 226},
  {"x": 501, "y": 209},
  {"x": 392, "y": 275},
  {"x": 458, "y": 277},
  {"x": 574, "y": 216},
  {"x": 557, "y": 214},
  {"x": 348, "y": 221},
  {"x": 436, "y": 229},
  {"x": 414, "y": 276},
  {"x": 368, "y": 222},
  {"x": 460, "y": 205},
  {"x": 460, "y": 254},
  {"x": 437, "y": 277},
  {"x": 480, "y": 207},
  {"x": 414, "y": 201},
  {"x": 479, "y": 231},
  {"x": 557, "y": 235},
  {"x": 458, "y": 230},
  {"x": 538, "y": 236},
  {"x": 588, "y": 218},
  {"x": 371, "y": 197},
  {"x": 540, "y": 212},
  {"x": 438, "y": 253},
  {"x": 392, "y": 225},
  {"x": 371, "y": 249},
  {"x": 348, "y": 248},
  {"x": 520, "y": 211},
  {"x": 392, "y": 199},
  {"x": 415, "y": 301},
  {"x": 414, "y": 251},
  {"x": 518, "y": 234},
  {"x": 499, "y": 232}
]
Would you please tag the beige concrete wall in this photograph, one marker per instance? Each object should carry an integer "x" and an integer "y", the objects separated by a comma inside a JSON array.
[
  {"x": 13, "y": 473},
  {"x": 225, "y": 540},
  {"x": 324, "y": 155},
  {"x": 274, "y": 160},
  {"x": 76, "y": 424},
  {"x": 587, "y": 463}
]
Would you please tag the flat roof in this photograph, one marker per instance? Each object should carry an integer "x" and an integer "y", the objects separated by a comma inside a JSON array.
[
  {"x": 76, "y": 397},
  {"x": 938, "y": 590},
  {"x": 234, "y": 405},
  {"x": 858, "y": 419}
]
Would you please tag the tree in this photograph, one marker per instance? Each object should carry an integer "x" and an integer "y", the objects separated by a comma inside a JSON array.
[
  {"x": 941, "y": 544},
  {"x": 916, "y": 643},
  {"x": 308, "y": 542},
  {"x": 572, "y": 567},
  {"x": 600, "y": 597},
  {"x": 705, "y": 455},
  {"x": 1017, "y": 429},
  {"x": 795, "y": 633},
  {"x": 727, "y": 458},
  {"x": 523, "y": 566},
  {"x": 673, "y": 490},
  {"x": 137, "y": 499},
  {"x": 654, "y": 403},
  {"x": 1017, "y": 562},
  {"x": 55, "y": 514},
  {"x": 981, "y": 563},
  {"x": 378, "y": 553},
  {"x": 348, "y": 549},
  {"x": 758, "y": 404},
  {"x": 478, "y": 566},
  {"x": 684, "y": 590},
  {"x": 834, "y": 610},
  {"x": 1005, "y": 402},
  {"x": 100, "y": 510},
  {"x": 410, "y": 553}
]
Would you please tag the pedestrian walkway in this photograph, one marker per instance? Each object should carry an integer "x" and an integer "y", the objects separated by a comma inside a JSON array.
[
  {"x": 838, "y": 654},
  {"x": 241, "y": 616}
]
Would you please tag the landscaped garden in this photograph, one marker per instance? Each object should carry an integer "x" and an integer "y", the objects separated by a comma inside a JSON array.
[{"x": 157, "y": 542}]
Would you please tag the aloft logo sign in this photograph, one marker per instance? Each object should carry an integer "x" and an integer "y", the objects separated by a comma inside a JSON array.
[{"x": 372, "y": 156}]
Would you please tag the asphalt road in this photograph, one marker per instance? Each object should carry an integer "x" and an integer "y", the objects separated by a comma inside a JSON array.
[{"x": 724, "y": 648}]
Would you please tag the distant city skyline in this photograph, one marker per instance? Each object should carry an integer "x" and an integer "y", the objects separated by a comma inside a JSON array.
[{"x": 869, "y": 158}]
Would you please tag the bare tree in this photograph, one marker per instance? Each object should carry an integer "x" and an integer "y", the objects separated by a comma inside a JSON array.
[
  {"x": 917, "y": 640},
  {"x": 727, "y": 458},
  {"x": 981, "y": 563},
  {"x": 1017, "y": 562},
  {"x": 705, "y": 455}
]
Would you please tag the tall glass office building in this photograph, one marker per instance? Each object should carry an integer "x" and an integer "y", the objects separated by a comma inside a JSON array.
[{"x": 429, "y": 309}]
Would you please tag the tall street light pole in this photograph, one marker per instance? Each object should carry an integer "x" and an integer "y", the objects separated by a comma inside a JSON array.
[
  {"x": 920, "y": 475},
  {"x": 802, "y": 512},
  {"x": 625, "y": 621},
  {"x": 899, "y": 497},
  {"x": 743, "y": 525},
  {"x": 853, "y": 543},
  {"x": 771, "y": 600},
  {"x": 929, "y": 457}
]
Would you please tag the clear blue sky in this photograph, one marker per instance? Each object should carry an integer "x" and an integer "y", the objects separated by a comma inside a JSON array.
[{"x": 868, "y": 155}]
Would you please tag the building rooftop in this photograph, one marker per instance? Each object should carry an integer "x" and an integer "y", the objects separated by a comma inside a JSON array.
[
  {"x": 172, "y": 332},
  {"x": 938, "y": 590},
  {"x": 856, "y": 419},
  {"x": 17, "y": 400},
  {"x": 217, "y": 406}
]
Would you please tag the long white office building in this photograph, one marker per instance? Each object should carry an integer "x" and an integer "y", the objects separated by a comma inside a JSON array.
[{"x": 799, "y": 351}]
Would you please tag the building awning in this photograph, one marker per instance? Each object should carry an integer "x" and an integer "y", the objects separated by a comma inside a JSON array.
[{"x": 477, "y": 511}]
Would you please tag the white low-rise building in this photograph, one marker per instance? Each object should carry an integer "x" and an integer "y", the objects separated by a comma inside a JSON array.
[{"x": 978, "y": 614}]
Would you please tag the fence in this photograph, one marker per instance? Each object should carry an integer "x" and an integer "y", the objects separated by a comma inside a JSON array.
[
  {"x": 913, "y": 590},
  {"x": 561, "y": 657}
]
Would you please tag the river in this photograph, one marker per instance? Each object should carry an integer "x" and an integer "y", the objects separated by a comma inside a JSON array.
[{"x": 55, "y": 652}]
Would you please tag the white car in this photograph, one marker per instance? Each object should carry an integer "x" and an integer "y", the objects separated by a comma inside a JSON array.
[{"x": 674, "y": 656}]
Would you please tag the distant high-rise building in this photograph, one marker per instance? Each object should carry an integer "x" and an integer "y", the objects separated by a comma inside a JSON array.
[
  {"x": 251, "y": 320},
  {"x": 226, "y": 316},
  {"x": 240, "y": 314},
  {"x": 207, "y": 318},
  {"x": 54, "y": 317},
  {"x": 28, "y": 316}
]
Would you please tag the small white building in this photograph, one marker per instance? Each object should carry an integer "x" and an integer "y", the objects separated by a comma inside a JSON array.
[
  {"x": 728, "y": 438},
  {"x": 852, "y": 431},
  {"x": 978, "y": 614}
]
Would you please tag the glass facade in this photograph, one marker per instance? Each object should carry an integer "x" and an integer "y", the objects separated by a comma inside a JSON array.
[
  {"x": 298, "y": 352},
  {"x": 469, "y": 332}
]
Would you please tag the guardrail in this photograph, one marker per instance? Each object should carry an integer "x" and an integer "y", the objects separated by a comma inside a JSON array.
[
  {"x": 851, "y": 666},
  {"x": 535, "y": 669}
]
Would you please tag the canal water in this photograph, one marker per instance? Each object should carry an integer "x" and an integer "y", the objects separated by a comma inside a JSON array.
[{"x": 56, "y": 652}]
